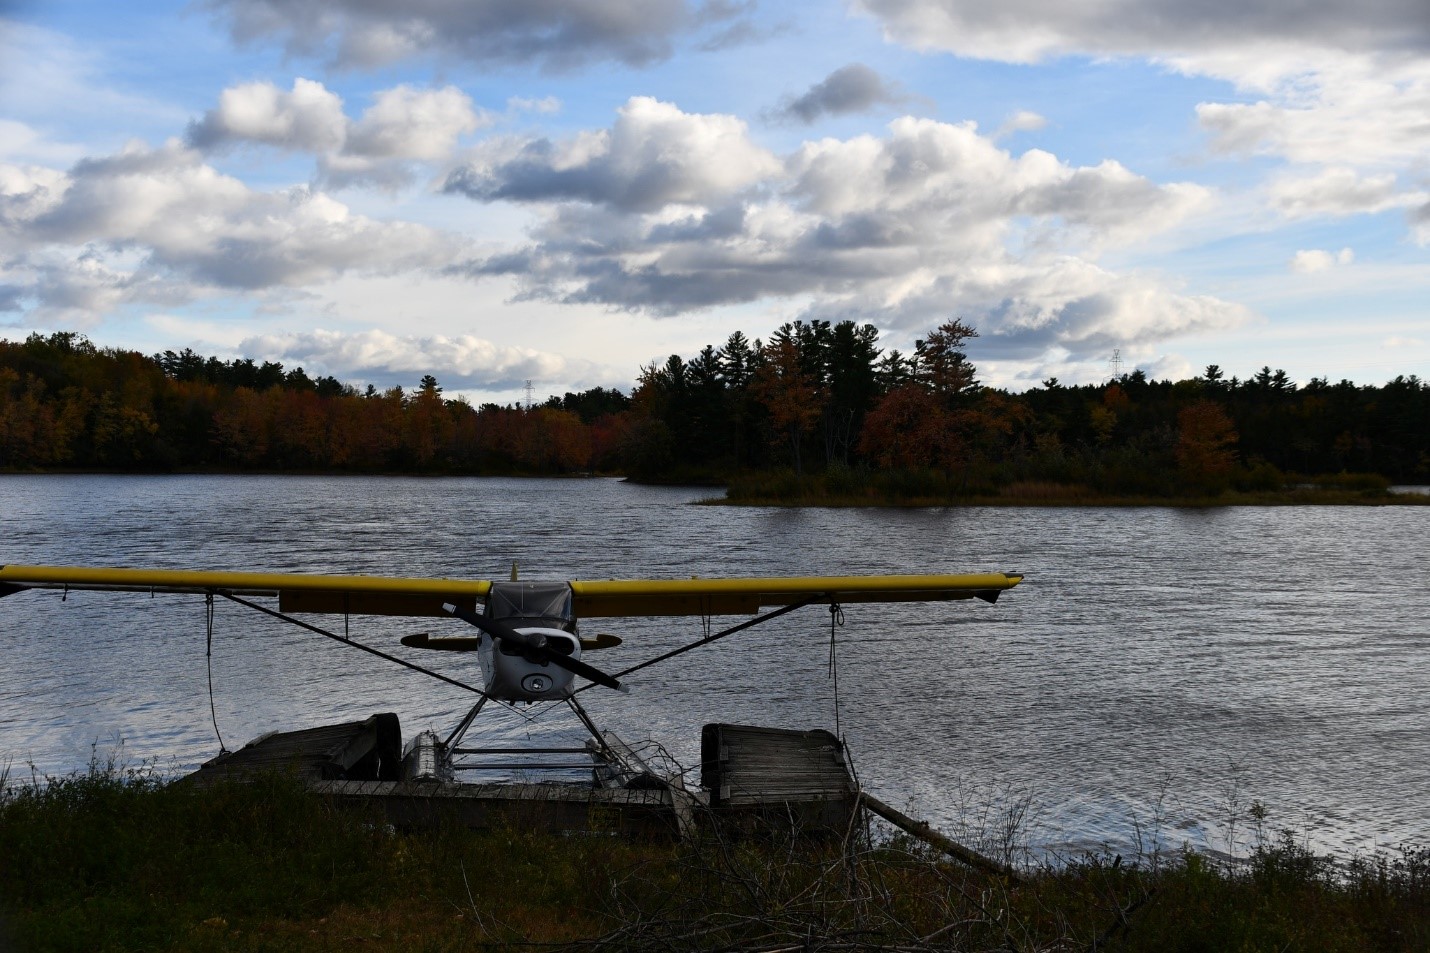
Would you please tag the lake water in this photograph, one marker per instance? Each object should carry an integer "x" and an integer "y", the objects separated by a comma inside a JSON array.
[{"x": 1157, "y": 672}]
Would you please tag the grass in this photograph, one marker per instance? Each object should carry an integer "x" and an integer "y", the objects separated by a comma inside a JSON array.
[{"x": 118, "y": 860}]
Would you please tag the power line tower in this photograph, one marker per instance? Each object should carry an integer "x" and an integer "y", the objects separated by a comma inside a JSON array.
[
  {"x": 529, "y": 391},
  {"x": 1116, "y": 363}
]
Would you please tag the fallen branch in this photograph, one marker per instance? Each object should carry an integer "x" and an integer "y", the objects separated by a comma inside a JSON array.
[{"x": 933, "y": 838}]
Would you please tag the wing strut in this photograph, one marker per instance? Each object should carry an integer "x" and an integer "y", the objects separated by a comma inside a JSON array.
[
  {"x": 813, "y": 597},
  {"x": 357, "y": 645}
]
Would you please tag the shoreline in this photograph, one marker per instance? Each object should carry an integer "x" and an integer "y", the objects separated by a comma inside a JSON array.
[
  {"x": 1295, "y": 498},
  {"x": 1071, "y": 497}
]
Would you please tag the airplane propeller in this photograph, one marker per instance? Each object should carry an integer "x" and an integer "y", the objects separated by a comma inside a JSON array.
[{"x": 533, "y": 646}]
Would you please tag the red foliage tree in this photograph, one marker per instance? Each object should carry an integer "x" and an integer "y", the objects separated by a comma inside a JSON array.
[
  {"x": 788, "y": 393},
  {"x": 1206, "y": 446}
]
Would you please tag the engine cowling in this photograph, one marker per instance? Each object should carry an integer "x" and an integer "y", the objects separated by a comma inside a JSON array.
[{"x": 513, "y": 675}]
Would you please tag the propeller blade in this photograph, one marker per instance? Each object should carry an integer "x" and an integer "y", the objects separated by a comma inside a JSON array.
[
  {"x": 497, "y": 628},
  {"x": 602, "y": 640},
  {"x": 579, "y": 667},
  {"x": 535, "y": 645}
]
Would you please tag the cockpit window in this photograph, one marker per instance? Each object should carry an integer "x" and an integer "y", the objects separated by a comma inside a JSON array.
[{"x": 546, "y": 604}]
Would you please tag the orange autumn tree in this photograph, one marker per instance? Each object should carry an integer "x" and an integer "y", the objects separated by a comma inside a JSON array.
[
  {"x": 905, "y": 430},
  {"x": 789, "y": 393},
  {"x": 429, "y": 425},
  {"x": 1206, "y": 446},
  {"x": 927, "y": 422},
  {"x": 561, "y": 442}
]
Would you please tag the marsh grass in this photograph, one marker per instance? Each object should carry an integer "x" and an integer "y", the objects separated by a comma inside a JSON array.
[
  {"x": 116, "y": 859},
  {"x": 844, "y": 487}
]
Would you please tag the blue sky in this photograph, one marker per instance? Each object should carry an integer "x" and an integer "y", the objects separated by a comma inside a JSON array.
[{"x": 496, "y": 191}]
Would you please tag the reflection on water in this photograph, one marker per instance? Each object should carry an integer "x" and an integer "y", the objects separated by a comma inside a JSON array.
[{"x": 1159, "y": 669}]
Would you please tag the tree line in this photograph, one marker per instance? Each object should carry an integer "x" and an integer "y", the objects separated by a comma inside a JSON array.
[
  {"x": 65, "y": 403},
  {"x": 817, "y": 399}
]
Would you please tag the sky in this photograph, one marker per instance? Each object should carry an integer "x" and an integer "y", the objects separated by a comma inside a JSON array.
[{"x": 503, "y": 191}]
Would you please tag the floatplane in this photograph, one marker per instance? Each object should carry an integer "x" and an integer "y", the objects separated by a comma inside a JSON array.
[{"x": 530, "y": 650}]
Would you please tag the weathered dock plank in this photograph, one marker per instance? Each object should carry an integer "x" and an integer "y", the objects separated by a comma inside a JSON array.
[
  {"x": 557, "y": 807},
  {"x": 774, "y": 773}
]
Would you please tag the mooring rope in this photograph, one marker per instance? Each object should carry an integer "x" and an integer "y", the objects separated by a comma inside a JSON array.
[
  {"x": 209, "y": 663},
  {"x": 836, "y": 619}
]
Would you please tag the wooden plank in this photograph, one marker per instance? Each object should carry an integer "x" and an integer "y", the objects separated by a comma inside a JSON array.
[
  {"x": 762, "y": 765},
  {"x": 557, "y": 807},
  {"x": 369, "y": 747},
  {"x": 777, "y": 776}
]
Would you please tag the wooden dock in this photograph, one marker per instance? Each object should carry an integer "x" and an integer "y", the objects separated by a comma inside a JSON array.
[
  {"x": 370, "y": 749},
  {"x": 778, "y": 776},
  {"x": 750, "y": 777},
  {"x": 563, "y": 808},
  {"x": 358, "y": 765}
]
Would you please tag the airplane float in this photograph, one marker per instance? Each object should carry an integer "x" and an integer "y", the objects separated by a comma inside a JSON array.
[{"x": 528, "y": 642}]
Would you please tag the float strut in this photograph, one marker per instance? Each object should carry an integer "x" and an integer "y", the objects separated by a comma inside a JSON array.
[
  {"x": 462, "y": 726},
  {"x": 606, "y": 752}
]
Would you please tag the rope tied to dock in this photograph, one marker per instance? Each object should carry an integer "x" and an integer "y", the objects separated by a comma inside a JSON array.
[
  {"x": 836, "y": 620},
  {"x": 209, "y": 664}
]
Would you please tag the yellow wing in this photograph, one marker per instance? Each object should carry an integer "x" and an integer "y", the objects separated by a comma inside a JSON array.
[
  {"x": 747, "y": 596},
  {"x": 296, "y": 592},
  {"x": 402, "y": 596}
]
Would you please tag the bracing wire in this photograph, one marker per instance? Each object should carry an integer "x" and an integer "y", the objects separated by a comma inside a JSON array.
[
  {"x": 371, "y": 651},
  {"x": 782, "y": 610},
  {"x": 209, "y": 664}
]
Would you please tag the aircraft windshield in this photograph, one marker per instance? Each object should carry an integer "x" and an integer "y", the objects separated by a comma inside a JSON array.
[{"x": 544, "y": 603}]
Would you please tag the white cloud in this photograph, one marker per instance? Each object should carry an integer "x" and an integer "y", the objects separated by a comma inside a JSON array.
[
  {"x": 1420, "y": 222},
  {"x": 456, "y": 361},
  {"x": 403, "y": 125},
  {"x": 1340, "y": 192},
  {"x": 1310, "y": 261},
  {"x": 1397, "y": 343},
  {"x": 1024, "y": 309},
  {"x": 934, "y": 176},
  {"x": 20, "y": 142},
  {"x": 1023, "y": 120},
  {"x": 160, "y": 224},
  {"x": 547, "y": 105},
  {"x": 850, "y": 89},
  {"x": 655, "y": 155},
  {"x": 483, "y": 33},
  {"x": 1169, "y": 367},
  {"x": 1340, "y": 85},
  {"x": 902, "y": 230},
  {"x": 307, "y": 118},
  {"x": 1363, "y": 109},
  {"x": 409, "y": 123},
  {"x": 25, "y": 193},
  {"x": 1027, "y": 31}
]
